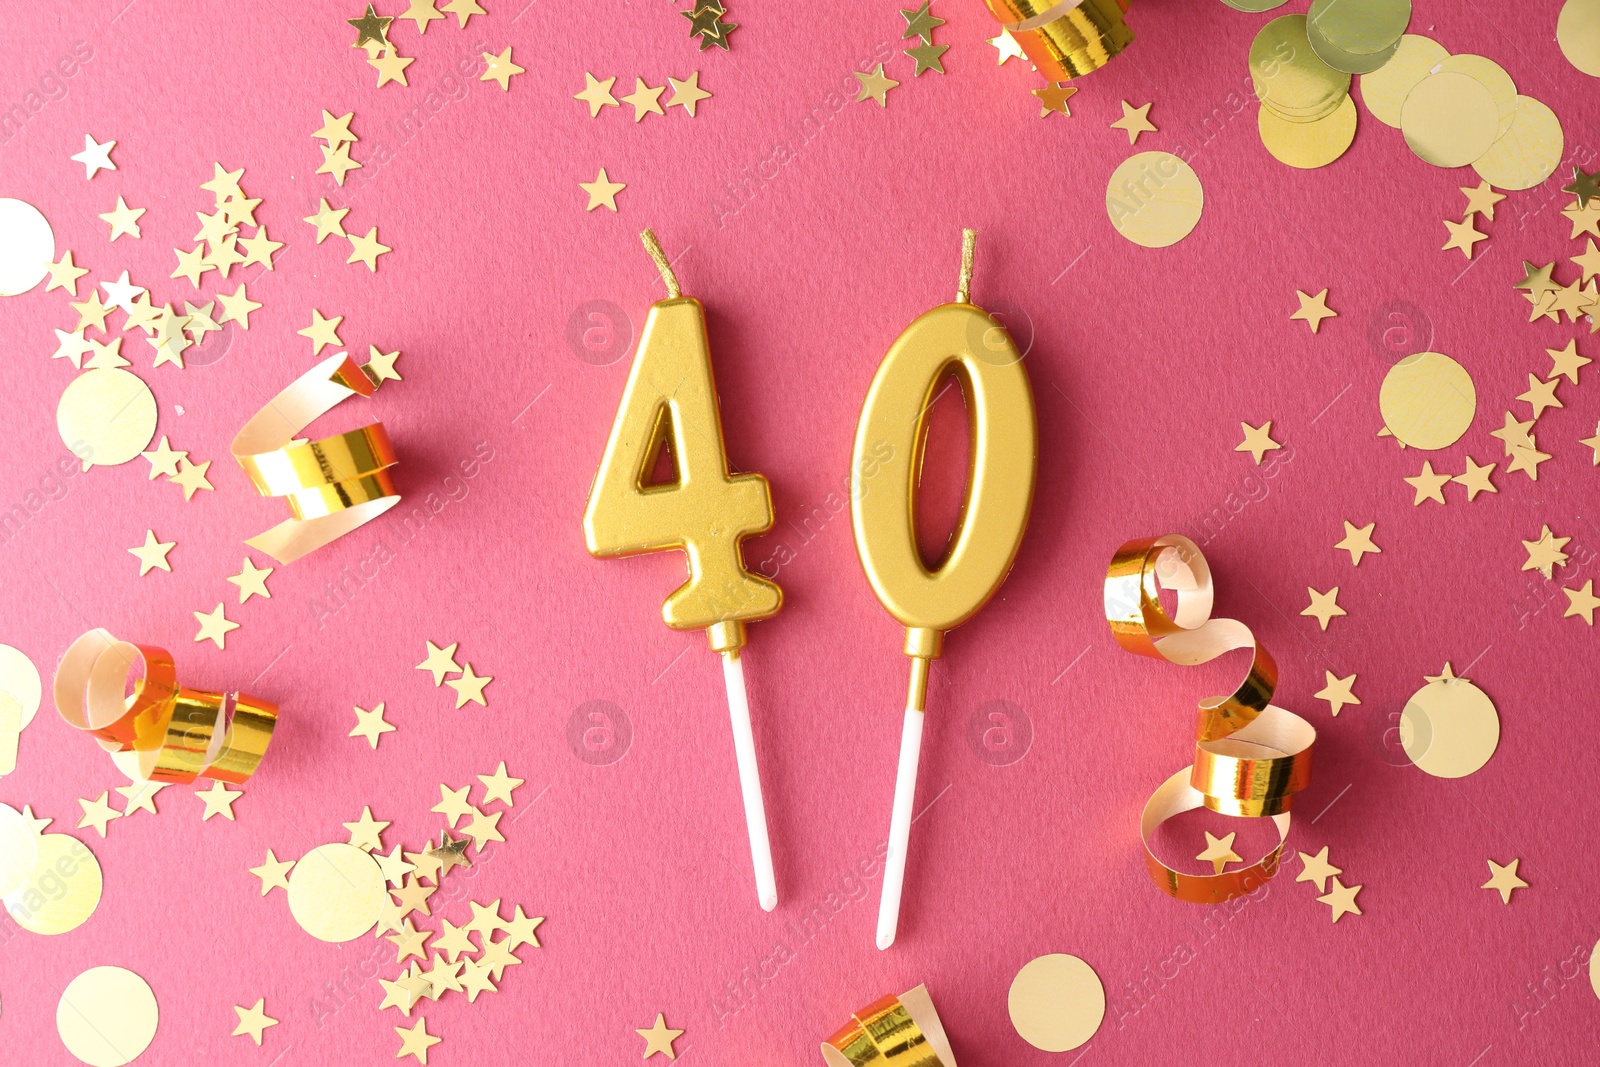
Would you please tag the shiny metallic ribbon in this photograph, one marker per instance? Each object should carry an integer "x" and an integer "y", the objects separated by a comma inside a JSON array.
[
  {"x": 1067, "y": 39},
  {"x": 176, "y": 733},
  {"x": 902, "y": 1031},
  {"x": 334, "y": 485},
  {"x": 1251, "y": 757}
]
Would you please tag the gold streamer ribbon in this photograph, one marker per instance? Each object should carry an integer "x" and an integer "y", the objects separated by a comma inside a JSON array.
[
  {"x": 1251, "y": 757},
  {"x": 903, "y": 1031},
  {"x": 333, "y": 485},
  {"x": 175, "y": 733},
  {"x": 1065, "y": 39}
]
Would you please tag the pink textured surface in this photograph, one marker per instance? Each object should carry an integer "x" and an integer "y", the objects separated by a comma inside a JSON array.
[{"x": 1143, "y": 364}]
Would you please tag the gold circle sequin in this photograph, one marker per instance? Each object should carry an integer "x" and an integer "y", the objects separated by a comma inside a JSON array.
[
  {"x": 27, "y": 244},
  {"x": 19, "y": 849},
  {"x": 1287, "y": 75},
  {"x": 1384, "y": 91},
  {"x": 19, "y": 680},
  {"x": 107, "y": 1016},
  {"x": 1449, "y": 119},
  {"x": 1428, "y": 401},
  {"x": 1578, "y": 34},
  {"x": 1359, "y": 27},
  {"x": 1349, "y": 62},
  {"x": 106, "y": 416},
  {"x": 336, "y": 892},
  {"x": 1449, "y": 728},
  {"x": 1254, "y": 6},
  {"x": 1528, "y": 153},
  {"x": 63, "y": 890},
  {"x": 1494, "y": 78},
  {"x": 1056, "y": 1002},
  {"x": 1308, "y": 145},
  {"x": 1154, "y": 199}
]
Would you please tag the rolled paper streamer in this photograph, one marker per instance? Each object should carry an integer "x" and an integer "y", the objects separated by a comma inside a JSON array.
[
  {"x": 1067, "y": 39},
  {"x": 176, "y": 733},
  {"x": 1251, "y": 757},
  {"x": 333, "y": 485},
  {"x": 902, "y": 1031}
]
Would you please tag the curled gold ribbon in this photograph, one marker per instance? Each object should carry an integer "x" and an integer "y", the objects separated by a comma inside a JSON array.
[
  {"x": 902, "y": 1031},
  {"x": 1251, "y": 757},
  {"x": 175, "y": 733},
  {"x": 1065, "y": 38},
  {"x": 333, "y": 485}
]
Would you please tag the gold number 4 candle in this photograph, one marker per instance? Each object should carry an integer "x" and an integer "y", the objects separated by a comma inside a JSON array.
[
  {"x": 963, "y": 341},
  {"x": 670, "y": 402}
]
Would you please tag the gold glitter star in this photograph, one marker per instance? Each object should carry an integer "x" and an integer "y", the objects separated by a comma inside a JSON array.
[
  {"x": 1257, "y": 440},
  {"x": 164, "y": 459},
  {"x": 499, "y": 786},
  {"x": 140, "y": 796},
  {"x": 450, "y": 853},
  {"x": 1006, "y": 47},
  {"x": 469, "y": 687},
  {"x": 1324, "y": 607},
  {"x": 920, "y": 22},
  {"x": 393, "y": 864},
  {"x": 403, "y": 992},
  {"x": 453, "y": 803},
  {"x": 687, "y": 94},
  {"x": 240, "y": 210},
  {"x": 152, "y": 554},
  {"x": 91, "y": 312},
  {"x": 426, "y": 864},
  {"x": 253, "y": 1020},
  {"x": 199, "y": 321},
  {"x": 236, "y": 308},
  {"x": 1337, "y": 692},
  {"x": 1584, "y": 186},
  {"x": 483, "y": 828},
  {"x": 413, "y": 896},
  {"x": 251, "y": 580},
  {"x": 1358, "y": 542},
  {"x": 440, "y": 662},
  {"x": 366, "y": 832},
  {"x": 1135, "y": 120},
  {"x": 497, "y": 956},
  {"x": 409, "y": 941},
  {"x": 1581, "y": 601},
  {"x": 1514, "y": 433},
  {"x": 214, "y": 625},
  {"x": 1317, "y": 870},
  {"x": 1504, "y": 879},
  {"x": 259, "y": 248},
  {"x": 213, "y": 227},
  {"x": 500, "y": 69},
  {"x": 1584, "y": 219},
  {"x": 520, "y": 929},
  {"x": 381, "y": 364},
  {"x": 644, "y": 99},
  {"x": 371, "y": 28},
  {"x": 1219, "y": 850},
  {"x": 597, "y": 93},
  {"x": 337, "y": 162},
  {"x": 328, "y": 222},
  {"x": 218, "y": 799},
  {"x": 224, "y": 183},
  {"x": 928, "y": 57},
  {"x": 1428, "y": 485},
  {"x": 72, "y": 346},
  {"x": 453, "y": 940},
  {"x": 1481, "y": 200},
  {"x": 125, "y": 220},
  {"x": 485, "y": 919},
  {"x": 602, "y": 191},
  {"x": 1540, "y": 395},
  {"x": 1476, "y": 479},
  {"x": 1526, "y": 458},
  {"x": 1342, "y": 899},
  {"x": 322, "y": 332},
  {"x": 106, "y": 355},
  {"x": 417, "y": 1041},
  {"x": 64, "y": 273},
  {"x": 463, "y": 10},
  {"x": 1313, "y": 309},
  {"x": 337, "y": 130},
  {"x": 370, "y": 724},
  {"x": 659, "y": 1038},
  {"x": 192, "y": 477},
  {"x": 422, "y": 12},
  {"x": 1594, "y": 443},
  {"x": 443, "y": 977},
  {"x": 273, "y": 872},
  {"x": 1536, "y": 281},
  {"x": 475, "y": 979},
  {"x": 96, "y": 157},
  {"x": 367, "y": 249},
  {"x": 1589, "y": 262},
  {"x": 391, "y": 67},
  {"x": 1054, "y": 98},
  {"x": 1544, "y": 554},
  {"x": 875, "y": 86},
  {"x": 97, "y": 813},
  {"x": 191, "y": 265}
]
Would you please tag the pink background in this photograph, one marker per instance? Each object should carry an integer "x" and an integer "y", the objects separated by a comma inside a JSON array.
[{"x": 1143, "y": 363}]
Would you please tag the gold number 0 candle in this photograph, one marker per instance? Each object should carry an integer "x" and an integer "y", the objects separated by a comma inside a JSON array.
[
  {"x": 966, "y": 342},
  {"x": 670, "y": 401}
]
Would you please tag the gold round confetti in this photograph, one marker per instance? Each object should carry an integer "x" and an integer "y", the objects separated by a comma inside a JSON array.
[
  {"x": 1428, "y": 401},
  {"x": 1384, "y": 91},
  {"x": 1308, "y": 145},
  {"x": 1154, "y": 199},
  {"x": 63, "y": 890},
  {"x": 1494, "y": 78},
  {"x": 1578, "y": 34},
  {"x": 1449, "y": 728},
  {"x": 1349, "y": 62},
  {"x": 1359, "y": 27},
  {"x": 1594, "y": 970},
  {"x": 106, "y": 416},
  {"x": 107, "y": 1016},
  {"x": 26, "y": 244},
  {"x": 1254, "y": 6},
  {"x": 336, "y": 892},
  {"x": 1288, "y": 76},
  {"x": 19, "y": 680},
  {"x": 1056, "y": 1002},
  {"x": 1528, "y": 153},
  {"x": 19, "y": 849},
  {"x": 1449, "y": 119}
]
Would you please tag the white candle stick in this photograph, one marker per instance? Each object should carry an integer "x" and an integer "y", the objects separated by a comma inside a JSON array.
[
  {"x": 755, "y": 811},
  {"x": 905, "y": 791}
]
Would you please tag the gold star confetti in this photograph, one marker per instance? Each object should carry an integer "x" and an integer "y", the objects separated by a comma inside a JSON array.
[
  {"x": 644, "y": 99},
  {"x": 391, "y": 67},
  {"x": 1257, "y": 440},
  {"x": 440, "y": 662},
  {"x": 106, "y": 355},
  {"x": 469, "y": 687},
  {"x": 371, "y": 724},
  {"x": 125, "y": 220},
  {"x": 91, "y": 312},
  {"x": 224, "y": 183},
  {"x": 251, "y": 580},
  {"x": 497, "y": 956},
  {"x": 254, "y": 1020},
  {"x": 236, "y": 308},
  {"x": 413, "y": 896},
  {"x": 453, "y": 803},
  {"x": 1481, "y": 200},
  {"x": 337, "y": 162},
  {"x": 485, "y": 919},
  {"x": 687, "y": 94},
  {"x": 365, "y": 832},
  {"x": 191, "y": 265},
  {"x": 483, "y": 828},
  {"x": 192, "y": 477},
  {"x": 1476, "y": 479},
  {"x": 1514, "y": 433},
  {"x": 1585, "y": 186},
  {"x": 402, "y": 993},
  {"x": 367, "y": 249},
  {"x": 500, "y": 69},
  {"x": 1136, "y": 120},
  {"x": 337, "y": 130},
  {"x": 64, "y": 273},
  {"x": 1219, "y": 851},
  {"x": 453, "y": 940},
  {"x": 214, "y": 625},
  {"x": 1313, "y": 309},
  {"x": 36, "y": 824},
  {"x": 475, "y": 979},
  {"x": 1571, "y": 299},
  {"x": 1594, "y": 443},
  {"x": 1536, "y": 280},
  {"x": 451, "y": 853},
  {"x": 393, "y": 864},
  {"x": 1463, "y": 235},
  {"x": 218, "y": 800},
  {"x": 659, "y": 1038},
  {"x": 499, "y": 786},
  {"x": 1337, "y": 692},
  {"x": 463, "y": 10},
  {"x": 422, "y": 12},
  {"x": 163, "y": 459},
  {"x": 152, "y": 553},
  {"x": 1428, "y": 485},
  {"x": 1526, "y": 458},
  {"x": 329, "y": 223},
  {"x": 1324, "y": 606},
  {"x": 1567, "y": 362},
  {"x": 417, "y": 1041},
  {"x": 1581, "y": 601},
  {"x": 520, "y": 929},
  {"x": 259, "y": 248},
  {"x": 597, "y": 94},
  {"x": 381, "y": 364},
  {"x": 1544, "y": 554},
  {"x": 920, "y": 22},
  {"x": 1504, "y": 879},
  {"x": 443, "y": 977},
  {"x": 370, "y": 27},
  {"x": 602, "y": 191},
  {"x": 72, "y": 346},
  {"x": 143, "y": 315},
  {"x": 1053, "y": 98},
  {"x": 1540, "y": 395},
  {"x": 1358, "y": 542},
  {"x": 1589, "y": 262},
  {"x": 426, "y": 864},
  {"x": 198, "y": 319},
  {"x": 1316, "y": 869},
  {"x": 1342, "y": 899},
  {"x": 875, "y": 86},
  {"x": 1584, "y": 219},
  {"x": 408, "y": 941},
  {"x": 928, "y": 57},
  {"x": 322, "y": 332},
  {"x": 273, "y": 872},
  {"x": 95, "y": 157},
  {"x": 1007, "y": 47},
  {"x": 213, "y": 227},
  {"x": 140, "y": 796},
  {"x": 97, "y": 813}
]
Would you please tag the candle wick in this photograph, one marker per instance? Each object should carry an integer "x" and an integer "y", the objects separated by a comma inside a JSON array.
[
  {"x": 969, "y": 241},
  {"x": 664, "y": 265}
]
